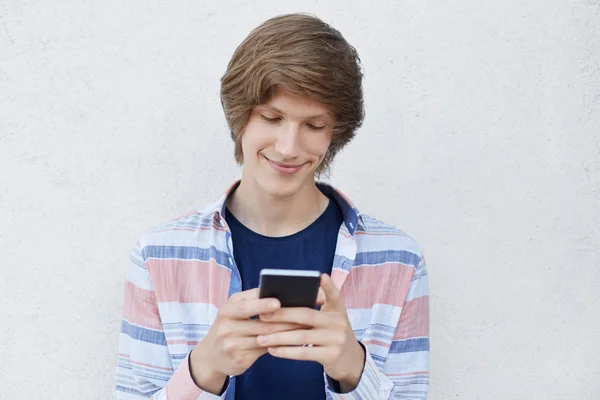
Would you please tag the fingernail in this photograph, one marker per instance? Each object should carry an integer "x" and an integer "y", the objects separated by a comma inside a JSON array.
[{"x": 273, "y": 304}]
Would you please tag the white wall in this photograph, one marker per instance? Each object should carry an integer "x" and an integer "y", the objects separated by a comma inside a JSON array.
[{"x": 482, "y": 140}]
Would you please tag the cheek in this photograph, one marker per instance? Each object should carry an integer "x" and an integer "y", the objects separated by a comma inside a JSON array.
[
  {"x": 252, "y": 140},
  {"x": 319, "y": 148}
]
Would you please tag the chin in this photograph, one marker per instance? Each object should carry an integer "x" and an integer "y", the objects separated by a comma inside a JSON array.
[{"x": 279, "y": 187}]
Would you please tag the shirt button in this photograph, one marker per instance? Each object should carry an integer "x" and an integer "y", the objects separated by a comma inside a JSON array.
[
  {"x": 230, "y": 260},
  {"x": 351, "y": 225}
]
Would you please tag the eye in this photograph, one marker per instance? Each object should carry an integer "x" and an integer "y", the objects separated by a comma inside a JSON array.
[
  {"x": 316, "y": 128},
  {"x": 270, "y": 119}
]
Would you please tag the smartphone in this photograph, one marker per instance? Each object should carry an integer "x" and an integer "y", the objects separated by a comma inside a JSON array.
[{"x": 293, "y": 288}]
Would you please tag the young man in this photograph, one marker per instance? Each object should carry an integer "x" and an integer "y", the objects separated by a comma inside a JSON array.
[{"x": 292, "y": 96}]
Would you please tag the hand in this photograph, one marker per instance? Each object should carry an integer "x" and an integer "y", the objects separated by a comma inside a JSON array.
[
  {"x": 333, "y": 342},
  {"x": 229, "y": 347}
]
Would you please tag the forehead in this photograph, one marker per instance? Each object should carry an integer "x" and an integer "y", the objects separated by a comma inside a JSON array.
[{"x": 288, "y": 103}]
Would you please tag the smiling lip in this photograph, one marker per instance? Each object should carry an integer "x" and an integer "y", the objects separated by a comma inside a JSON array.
[{"x": 284, "y": 168}]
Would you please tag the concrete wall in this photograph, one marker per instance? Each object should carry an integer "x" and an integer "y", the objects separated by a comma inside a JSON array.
[{"x": 482, "y": 140}]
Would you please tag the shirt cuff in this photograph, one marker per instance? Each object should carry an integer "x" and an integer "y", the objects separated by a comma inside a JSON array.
[
  {"x": 181, "y": 386},
  {"x": 370, "y": 385}
]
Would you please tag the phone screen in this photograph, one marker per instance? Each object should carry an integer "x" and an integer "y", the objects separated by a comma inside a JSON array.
[{"x": 293, "y": 288}]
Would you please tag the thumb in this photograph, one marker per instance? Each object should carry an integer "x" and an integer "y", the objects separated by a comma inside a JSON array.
[{"x": 333, "y": 298}]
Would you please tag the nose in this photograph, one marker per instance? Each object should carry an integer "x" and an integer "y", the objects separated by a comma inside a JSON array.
[{"x": 289, "y": 141}]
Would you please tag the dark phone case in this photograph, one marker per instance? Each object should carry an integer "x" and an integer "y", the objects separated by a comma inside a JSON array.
[{"x": 291, "y": 291}]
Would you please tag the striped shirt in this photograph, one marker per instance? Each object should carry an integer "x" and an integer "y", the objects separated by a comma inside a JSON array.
[{"x": 182, "y": 272}]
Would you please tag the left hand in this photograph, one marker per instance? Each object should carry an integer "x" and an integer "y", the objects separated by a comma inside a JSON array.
[{"x": 329, "y": 332}]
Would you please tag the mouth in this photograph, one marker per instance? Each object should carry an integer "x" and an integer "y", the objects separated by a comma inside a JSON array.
[{"x": 285, "y": 169}]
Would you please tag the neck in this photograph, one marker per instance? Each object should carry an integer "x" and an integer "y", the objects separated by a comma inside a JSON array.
[{"x": 276, "y": 216}]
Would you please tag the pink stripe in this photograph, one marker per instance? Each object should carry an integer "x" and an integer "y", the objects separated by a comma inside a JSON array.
[
  {"x": 410, "y": 373},
  {"x": 183, "y": 341},
  {"x": 213, "y": 227},
  {"x": 178, "y": 341},
  {"x": 346, "y": 235},
  {"x": 189, "y": 281},
  {"x": 143, "y": 364},
  {"x": 364, "y": 285},
  {"x": 139, "y": 307},
  {"x": 377, "y": 343},
  {"x": 414, "y": 320}
]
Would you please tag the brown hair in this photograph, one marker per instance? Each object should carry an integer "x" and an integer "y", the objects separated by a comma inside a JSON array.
[{"x": 301, "y": 54}]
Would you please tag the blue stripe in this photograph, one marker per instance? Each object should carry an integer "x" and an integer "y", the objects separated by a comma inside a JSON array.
[
  {"x": 412, "y": 382},
  {"x": 145, "y": 371},
  {"x": 374, "y": 328},
  {"x": 187, "y": 253},
  {"x": 143, "y": 334},
  {"x": 137, "y": 261},
  {"x": 360, "y": 334},
  {"x": 192, "y": 327},
  {"x": 190, "y": 331},
  {"x": 376, "y": 225},
  {"x": 341, "y": 262},
  {"x": 410, "y": 345},
  {"x": 382, "y": 327},
  {"x": 152, "y": 375},
  {"x": 419, "y": 274},
  {"x": 410, "y": 378},
  {"x": 172, "y": 325},
  {"x": 135, "y": 391},
  {"x": 124, "y": 365},
  {"x": 411, "y": 394},
  {"x": 377, "y": 228},
  {"x": 385, "y": 336},
  {"x": 380, "y": 257},
  {"x": 195, "y": 336}
]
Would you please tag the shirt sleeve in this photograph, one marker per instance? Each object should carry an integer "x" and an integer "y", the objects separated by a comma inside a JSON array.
[
  {"x": 405, "y": 372},
  {"x": 145, "y": 369}
]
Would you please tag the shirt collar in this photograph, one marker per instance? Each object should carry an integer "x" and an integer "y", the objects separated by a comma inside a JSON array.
[{"x": 352, "y": 216}]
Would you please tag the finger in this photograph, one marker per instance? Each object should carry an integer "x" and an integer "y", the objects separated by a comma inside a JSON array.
[
  {"x": 333, "y": 298},
  {"x": 298, "y": 315},
  {"x": 299, "y": 337},
  {"x": 265, "y": 318},
  {"x": 235, "y": 344},
  {"x": 250, "y": 294},
  {"x": 244, "y": 309},
  {"x": 320, "y": 354},
  {"x": 320, "y": 297},
  {"x": 257, "y": 327}
]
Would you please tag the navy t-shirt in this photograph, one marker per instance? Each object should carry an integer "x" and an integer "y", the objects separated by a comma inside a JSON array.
[{"x": 313, "y": 248}]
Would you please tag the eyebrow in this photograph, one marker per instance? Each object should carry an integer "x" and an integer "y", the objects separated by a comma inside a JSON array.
[{"x": 277, "y": 110}]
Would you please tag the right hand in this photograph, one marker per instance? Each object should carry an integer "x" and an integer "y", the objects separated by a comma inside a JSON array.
[{"x": 230, "y": 346}]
